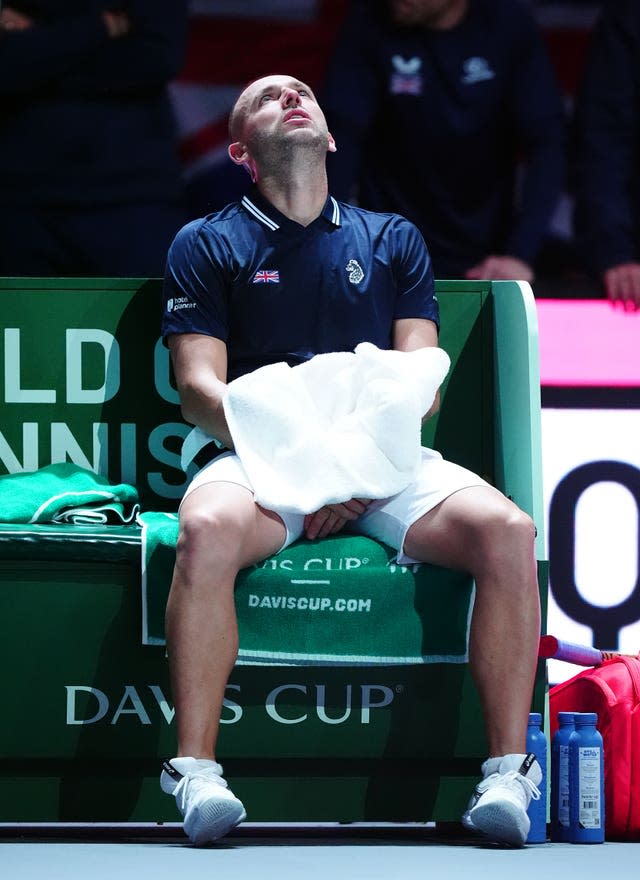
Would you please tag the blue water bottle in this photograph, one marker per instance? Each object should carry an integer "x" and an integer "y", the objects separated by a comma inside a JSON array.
[
  {"x": 537, "y": 812},
  {"x": 560, "y": 778},
  {"x": 586, "y": 780}
]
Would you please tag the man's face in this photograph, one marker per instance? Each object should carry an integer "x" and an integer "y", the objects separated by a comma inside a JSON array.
[
  {"x": 276, "y": 115},
  {"x": 430, "y": 13}
]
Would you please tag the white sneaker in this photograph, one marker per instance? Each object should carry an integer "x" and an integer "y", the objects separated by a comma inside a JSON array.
[
  {"x": 208, "y": 806},
  {"x": 498, "y": 806}
]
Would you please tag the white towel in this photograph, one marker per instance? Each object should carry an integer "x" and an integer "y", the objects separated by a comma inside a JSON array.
[{"x": 342, "y": 425}]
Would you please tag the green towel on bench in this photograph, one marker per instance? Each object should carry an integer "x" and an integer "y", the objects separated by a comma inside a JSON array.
[
  {"x": 66, "y": 493},
  {"x": 342, "y": 600}
]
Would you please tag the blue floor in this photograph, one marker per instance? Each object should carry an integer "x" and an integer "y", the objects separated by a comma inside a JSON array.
[{"x": 304, "y": 853}]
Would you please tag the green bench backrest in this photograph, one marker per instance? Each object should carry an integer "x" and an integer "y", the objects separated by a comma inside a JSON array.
[{"x": 86, "y": 379}]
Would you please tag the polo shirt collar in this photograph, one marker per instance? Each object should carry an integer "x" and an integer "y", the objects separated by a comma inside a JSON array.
[{"x": 265, "y": 213}]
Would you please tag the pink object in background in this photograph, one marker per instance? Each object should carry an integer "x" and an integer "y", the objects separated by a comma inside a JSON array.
[{"x": 588, "y": 343}]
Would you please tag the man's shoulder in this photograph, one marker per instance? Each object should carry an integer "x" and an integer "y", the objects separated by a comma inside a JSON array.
[
  {"x": 507, "y": 15},
  {"x": 371, "y": 219},
  {"x": 204, "y": 237},
  {"x": 211, "y": 224},
  {"x": 218, "y": 220},
  {"x": 383, "y": 229}
]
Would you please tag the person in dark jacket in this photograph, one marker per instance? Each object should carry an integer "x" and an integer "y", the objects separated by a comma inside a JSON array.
[
  {"x": 607, "y": 158},
  {"x": 90, "y": 181},
  {"x": 447, "y": 112}
]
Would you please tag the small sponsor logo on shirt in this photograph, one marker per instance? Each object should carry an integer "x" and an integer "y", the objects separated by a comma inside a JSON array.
[
  {"x": 266, "y": 276},
  {"x": 354, "y": 270},
  {"x": 406, "y": 78},
  {"x": 476, "y": 70},
  {"x": 180, "y": 302}
]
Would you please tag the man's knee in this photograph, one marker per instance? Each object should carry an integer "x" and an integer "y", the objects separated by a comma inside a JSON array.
[
  {"x": 208, "y": 535},
  {"x": 518, "y": 525},
  {"x": 505, "y": 533}
]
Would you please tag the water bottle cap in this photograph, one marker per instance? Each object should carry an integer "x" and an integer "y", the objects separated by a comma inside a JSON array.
[
  {"x": 584, "y": 718},
  {"x": 535, "y": 718},
  {"x": 566, "y": 717}
]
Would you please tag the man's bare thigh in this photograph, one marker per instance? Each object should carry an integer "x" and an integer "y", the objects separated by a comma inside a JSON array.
[
  {"x": 257, "y": 533},
  {"x": 444, "y": 535}
]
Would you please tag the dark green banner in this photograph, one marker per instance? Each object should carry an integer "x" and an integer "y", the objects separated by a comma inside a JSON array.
[{"x": 85, "y": 379}]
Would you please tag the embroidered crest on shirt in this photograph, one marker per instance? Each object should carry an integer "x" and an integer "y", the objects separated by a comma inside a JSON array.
[
  {"x": 476, "y": 70},
  {"x": 406, "y": 76},
  {"x": 355, "y": 271},
  {"x": 266, "y": 276}
]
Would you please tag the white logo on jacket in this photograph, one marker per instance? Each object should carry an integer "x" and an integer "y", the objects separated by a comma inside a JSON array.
[
  {"x": 406, "y": 66},
  {"x": 477, "y": 70},
  {"x": 179, "y": 302},
  {"x": 355, "y": 271}
]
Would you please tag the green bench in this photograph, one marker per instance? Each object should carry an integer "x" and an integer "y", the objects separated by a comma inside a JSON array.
[{"x": 86, "y": 705}]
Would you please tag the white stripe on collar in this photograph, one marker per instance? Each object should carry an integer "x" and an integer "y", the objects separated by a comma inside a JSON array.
[
  {"x": 336, "y": 212},
  {"x": 258, "y": 214},
  {"x": 271, "y": 224}
]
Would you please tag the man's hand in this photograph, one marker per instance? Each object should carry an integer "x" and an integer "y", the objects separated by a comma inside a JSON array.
[
  {"x": 622, "y": 284},
  {"x": 12, "y": 20},
  {"x": 332, "y": 517},
  {"x": 116, "y": 23},
  {"x": 433, "y": 409},
  {"x": 501, "y": 268}
]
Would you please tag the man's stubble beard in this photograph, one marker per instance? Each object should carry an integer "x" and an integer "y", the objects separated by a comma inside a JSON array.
[{"x": 276, "y": 155}]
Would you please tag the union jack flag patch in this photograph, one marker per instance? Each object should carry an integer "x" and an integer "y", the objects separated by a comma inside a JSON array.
[
  {"x": 401, "y": 84},
  {"x": 266, "y": 276}
]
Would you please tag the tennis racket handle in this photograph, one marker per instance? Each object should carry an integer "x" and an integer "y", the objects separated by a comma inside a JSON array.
[{"x": 552, "y": 648}]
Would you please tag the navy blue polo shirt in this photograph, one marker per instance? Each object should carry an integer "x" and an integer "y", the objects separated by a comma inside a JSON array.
[{"x": 274, "y": 290}]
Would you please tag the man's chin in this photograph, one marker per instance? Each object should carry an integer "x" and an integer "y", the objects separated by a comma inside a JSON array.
[
  {"x": 402, "y": 13},
  {"x": 306, "y": 135}
]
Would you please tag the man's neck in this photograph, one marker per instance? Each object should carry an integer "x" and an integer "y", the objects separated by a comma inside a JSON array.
[
  {"x": 301, "y": 200},
  {"x": 450, "y": 17}
]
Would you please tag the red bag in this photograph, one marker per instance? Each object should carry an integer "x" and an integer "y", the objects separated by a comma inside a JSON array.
[{"x": 613, "y": 691}]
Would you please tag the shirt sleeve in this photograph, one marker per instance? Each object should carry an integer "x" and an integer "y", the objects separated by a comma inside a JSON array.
[
  {"x": 74, "y": 54},
  {"x": 150, "y": 56},
  {"x": 195, "y": 287},
  {"x": 414, "y": 274},
  {"x": 43, "y": 54},
  {"x": 607, "y": 138},
  {"x": 539, "y": 114}
]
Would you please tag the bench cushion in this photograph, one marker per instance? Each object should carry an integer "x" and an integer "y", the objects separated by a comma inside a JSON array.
[{"x": 342, "y": 600}]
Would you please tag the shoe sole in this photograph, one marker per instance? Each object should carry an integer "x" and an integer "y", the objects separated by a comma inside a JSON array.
[
  {"x": 496, "y": 823},
  {"x": 214, "y": 821}
]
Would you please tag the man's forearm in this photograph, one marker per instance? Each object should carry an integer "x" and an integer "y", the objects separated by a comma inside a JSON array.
[{"x": 206, "y": 411}]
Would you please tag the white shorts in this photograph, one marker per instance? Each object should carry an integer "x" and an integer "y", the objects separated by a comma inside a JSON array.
[{"x": 387, "y": 520}]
